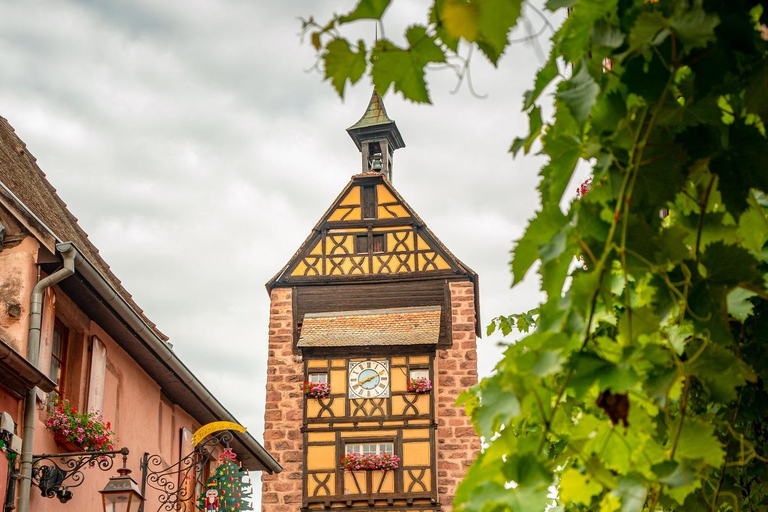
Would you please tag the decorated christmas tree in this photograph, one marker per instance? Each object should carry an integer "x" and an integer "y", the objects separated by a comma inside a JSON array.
[{"x": 228, "y": 488}]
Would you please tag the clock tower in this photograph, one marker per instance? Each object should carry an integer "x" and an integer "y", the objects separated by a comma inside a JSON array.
[{"x": 372, "y": 336}]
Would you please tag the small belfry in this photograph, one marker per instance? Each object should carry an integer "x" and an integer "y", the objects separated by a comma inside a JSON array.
[
  {"x": 377, "y": 137},
  {"x": 372, "y": 336}
]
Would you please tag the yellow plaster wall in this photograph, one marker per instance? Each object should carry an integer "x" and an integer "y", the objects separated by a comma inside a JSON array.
[
  {"x": 319, "y": 437},
  {"x": 416, "y": 454},
  {"x": 321, "y": 457}
]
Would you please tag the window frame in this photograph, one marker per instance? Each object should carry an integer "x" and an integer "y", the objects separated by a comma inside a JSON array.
[
  {"x": 317, "y": 374},
  {"x": 362, "y": 444},
  {"x": 415, "y": 373},
  {"x": 371, "y": 243},
  {"x": 361, "y": 244},
  {"x": 378, "y": 237},
  {"x": 61, "y": 359}
]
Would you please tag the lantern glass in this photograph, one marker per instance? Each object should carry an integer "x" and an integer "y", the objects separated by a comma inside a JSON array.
[{"x": 121, "y": 494}]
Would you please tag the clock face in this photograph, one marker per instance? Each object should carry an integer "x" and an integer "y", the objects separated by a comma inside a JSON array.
[{"x": 369, "y": 379}]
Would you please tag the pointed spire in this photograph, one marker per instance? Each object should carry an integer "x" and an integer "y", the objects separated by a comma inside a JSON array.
[
  {"x": 377, "y": 137},
  {"x": 375, "y": 114}
]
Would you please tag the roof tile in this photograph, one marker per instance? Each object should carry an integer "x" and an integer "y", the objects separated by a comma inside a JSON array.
[{"x": 397, "y": 326}]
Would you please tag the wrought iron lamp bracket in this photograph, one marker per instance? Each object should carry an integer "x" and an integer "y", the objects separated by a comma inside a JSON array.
[
  {"x": 174, "y": 495},
  {"x": 56, "y": 473}
]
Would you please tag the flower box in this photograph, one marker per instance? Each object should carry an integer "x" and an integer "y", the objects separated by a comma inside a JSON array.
[
  {"x": 316, "y": 389},
  {"x": 77, "y": 431},
  {"x": 69, "y": 446},
  {"x": 419, "y": 385},
  {"x": 381, "y": 462}
]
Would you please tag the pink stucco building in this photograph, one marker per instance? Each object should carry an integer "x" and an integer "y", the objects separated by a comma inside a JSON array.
[{"x": 95, "y": 347}]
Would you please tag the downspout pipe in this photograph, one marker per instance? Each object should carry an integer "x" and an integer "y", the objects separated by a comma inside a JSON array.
[{"x": 68, "y": 251}]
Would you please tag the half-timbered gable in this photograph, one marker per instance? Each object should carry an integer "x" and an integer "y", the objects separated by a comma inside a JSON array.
[
  {"x": 377, "y": 320},
  {"x": 370, "y": 231}
]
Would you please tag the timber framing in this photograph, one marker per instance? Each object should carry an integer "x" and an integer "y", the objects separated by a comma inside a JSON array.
[{"x": 329, "y": 257}]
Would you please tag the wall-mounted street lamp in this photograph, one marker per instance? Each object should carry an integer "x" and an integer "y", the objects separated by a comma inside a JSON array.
[
  {"x": 121, "y": 493},
  {"x": 56, "y": 473}
]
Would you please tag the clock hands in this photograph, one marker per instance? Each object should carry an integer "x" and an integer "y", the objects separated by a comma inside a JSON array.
[{"x": 372, "y": 377}]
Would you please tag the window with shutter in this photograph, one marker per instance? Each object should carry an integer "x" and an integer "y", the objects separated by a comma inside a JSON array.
[
  {"x": 369, "y": 202},
  {"x": 97, "y": 375}
]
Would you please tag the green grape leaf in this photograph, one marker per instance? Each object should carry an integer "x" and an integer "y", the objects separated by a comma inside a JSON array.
[
  {"x": 498, "y": 407},
  {"x": 553, "y": 5},
  {"x": 575, "y": 34},
  {"x": 695, "y": 28},
  {"x": 534, "y": 131},
  {"x": 460, "y": 19},
  {"x": 649, "y": 29},
  {"x": 579, "y": 93},
  {"x": 719, "y": 370},
  {"x": 578, "y": 488},
  {"x": 739, "y": 305},
  {"x": 753, "y": 228},
  {"x": 405, "y": 67},
  {"x": 540, "y": 230},
  {"x": 544, "y": 77},
  {"x": 632, "y": 491},
  {"x": 730, "y": 265},
  {"x": 423, "y": 46},
  {"x": 366, "y": 9},
  {"x": 697, "y": 441},
  {"x": 756, "y": 101},
  {"x": 549, "y": 361},
  {"x": 496, "y": 18},
  {"x": 735, "y": 166},
  {"x": 607, "y": 34},
  {"x": 342, "y": 63}
]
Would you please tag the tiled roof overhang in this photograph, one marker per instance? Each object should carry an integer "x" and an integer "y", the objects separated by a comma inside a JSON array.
[
  {"x": 18, "y": 375},
  {"x": 380, "y": 327}
]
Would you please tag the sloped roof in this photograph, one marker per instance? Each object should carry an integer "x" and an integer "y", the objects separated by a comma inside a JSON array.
[
  {"x": 375, "y": 114},
  {"x": 20, "y": 173},
  {"x": 283, "y": 277},
  {"x": 395, "y": 326},
  {"x": 110, "y": 302}
]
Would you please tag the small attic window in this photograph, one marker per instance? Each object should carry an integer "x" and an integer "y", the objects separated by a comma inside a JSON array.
[
  {"x": 377, "y": 244},
  {"x": 361, "y": 244}
]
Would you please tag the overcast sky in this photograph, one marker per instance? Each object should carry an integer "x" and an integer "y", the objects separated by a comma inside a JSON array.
[{"x": 197, "y": 151}]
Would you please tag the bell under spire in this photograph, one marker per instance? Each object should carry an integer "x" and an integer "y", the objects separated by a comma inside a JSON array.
[{"x": 377, "y": 137}]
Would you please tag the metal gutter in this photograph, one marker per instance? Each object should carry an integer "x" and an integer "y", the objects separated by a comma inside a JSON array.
[{"x": 29, "y": 212}]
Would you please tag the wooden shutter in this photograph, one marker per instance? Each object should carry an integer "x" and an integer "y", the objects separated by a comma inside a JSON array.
[
  {"x": 369, "y": 202},
  {"x": 97, "y": 376}
]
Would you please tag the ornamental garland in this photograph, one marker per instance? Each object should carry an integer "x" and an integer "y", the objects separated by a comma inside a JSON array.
[
  {"x": 316, "y": 389},
  {"x": 419, "y": 385},
  {"x": 84, "y": 428},
  {"x": 357, "y": 461}
]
